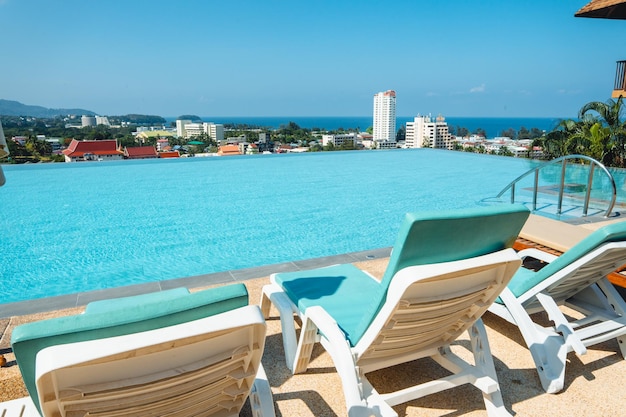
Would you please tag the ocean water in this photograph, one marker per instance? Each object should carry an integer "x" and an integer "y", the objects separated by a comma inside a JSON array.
[
  {"x": 493, "y": 126},
  {"x": 67, "y": 228}
]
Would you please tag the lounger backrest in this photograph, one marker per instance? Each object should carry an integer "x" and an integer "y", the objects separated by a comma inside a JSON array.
[
  {"x": 429, "y": 306},
  {"x": 444, "y": 236},
  {"x": 434, "y": 237},
  {"x": 145, "y": 312},
  {"x": 203, "y": 367},
  {"x": 591, "y": 272}
]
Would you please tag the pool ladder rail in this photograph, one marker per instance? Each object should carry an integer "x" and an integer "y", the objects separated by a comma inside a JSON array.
[{"x": 564, "y": 161}]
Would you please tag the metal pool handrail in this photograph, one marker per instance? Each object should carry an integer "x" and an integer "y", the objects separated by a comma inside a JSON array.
[
  {"x": 4, "y": 151},
  {"x": 563, "y": 161}
]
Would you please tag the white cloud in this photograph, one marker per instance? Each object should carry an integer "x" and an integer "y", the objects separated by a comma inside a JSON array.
[{"x": 479, "y": 89}]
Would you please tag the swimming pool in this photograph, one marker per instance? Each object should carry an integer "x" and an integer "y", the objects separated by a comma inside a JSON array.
[{"x": 69, "y": 228}]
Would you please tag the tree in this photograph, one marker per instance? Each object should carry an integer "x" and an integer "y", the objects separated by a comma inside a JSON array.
[
  {"x": 523, "y": 133},
  {"x": 536, "y": 133},
  {"x": 461, "y": 131},
  {"x": 591, "y": 140},
  {"x": 557, "y": 143},
  {"x": 401, "y": 134},
  {"x": 610, "y": 114},
  {"x": 480, "y": 132},
  {"x": 509, "y": 133},
  {"x": 504, "y": 151}
]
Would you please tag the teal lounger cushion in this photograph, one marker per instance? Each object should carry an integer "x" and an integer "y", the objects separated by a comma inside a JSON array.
[
  {"x": 344, "y": 291},
  {"x": 525, "y": 279},
  {"x": 353, "y": 298},
  {"x": 118, "y": 317}
]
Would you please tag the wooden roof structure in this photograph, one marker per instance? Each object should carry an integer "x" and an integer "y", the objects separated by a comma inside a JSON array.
[{"x": 604, "y": 9}]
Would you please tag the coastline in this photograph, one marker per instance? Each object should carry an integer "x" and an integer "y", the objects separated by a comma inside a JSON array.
[{"x": 492, "y": 125}]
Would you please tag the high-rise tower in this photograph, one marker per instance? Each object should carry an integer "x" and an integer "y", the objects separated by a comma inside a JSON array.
[{"x": 385, "y": 116}]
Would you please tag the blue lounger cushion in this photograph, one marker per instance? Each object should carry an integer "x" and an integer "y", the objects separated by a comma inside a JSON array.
[
  {"x": 353, "y": 298},
  {"x": 118, "y": 317},
  {"x": 525, "y": 279}
]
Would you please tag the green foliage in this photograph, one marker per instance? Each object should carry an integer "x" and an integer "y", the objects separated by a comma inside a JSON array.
[
  {"x": 292, "y": 133},
  {"x": 458, "y": 131},
  {"x": 401, "y": 134},
  {"x": 599, "y": 133},
  {"x": 191, "y": 117},
  {"x": 480, "y": 132},
  {"x": 138, "y": 119},
  {"x": 509, "y": 133}
]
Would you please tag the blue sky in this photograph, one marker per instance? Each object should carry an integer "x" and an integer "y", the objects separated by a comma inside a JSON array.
[{"x": 500, "y": 58}]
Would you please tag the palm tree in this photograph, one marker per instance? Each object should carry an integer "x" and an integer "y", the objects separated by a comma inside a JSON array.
[
  {"x": 609, "y": 114},
  {"x": 557, "y": 143},
  {"x": 592, "y": 140}
]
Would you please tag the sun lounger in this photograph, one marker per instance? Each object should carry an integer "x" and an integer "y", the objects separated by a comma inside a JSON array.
[
  {"x": 445, "y": 270},
  {"x": 582, "y": 305},
  {"x": 167, "y": 353}
]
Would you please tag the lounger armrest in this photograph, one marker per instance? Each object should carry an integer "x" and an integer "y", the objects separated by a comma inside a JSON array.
[{"x": 537, "y": 254}]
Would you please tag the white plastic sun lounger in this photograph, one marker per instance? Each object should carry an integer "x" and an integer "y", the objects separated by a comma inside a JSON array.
[
  {"x": 445, "y": 270},
  {"x": 577, "y": 280},
  {"x": 202, "y": 357}
]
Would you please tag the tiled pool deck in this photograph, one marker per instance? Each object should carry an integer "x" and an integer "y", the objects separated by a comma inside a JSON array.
[{"x": 593, "y": 384}]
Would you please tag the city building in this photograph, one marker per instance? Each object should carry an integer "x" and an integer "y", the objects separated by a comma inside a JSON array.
[
  {"x": 385, "y": 116},
  {"x": 92, "y": 150},
  {"x": 228, "y": 150},
  {"x": 21, "y": 140},
  {"x": 339, "y": 140},
  {"x": 102, "y": 120},
  {"x": 169, "y": 154},
  {"x": 56, "y": 144},
  {"x": 87, "y": 121},
  {"x": 147, "y": 135},
  {"x": 188, "y": 129},
  {"x": 265, "y": 143},
  {"x": 424, "y": 132},
  {"x": 140, "y": 152}
]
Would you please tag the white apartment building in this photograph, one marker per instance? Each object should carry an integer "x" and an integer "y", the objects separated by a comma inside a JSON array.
[
  {"x": 339, "y": 140},
  {"x": 424, "y": 132},
  {"x": 186, "y": 129},
  {"x": 102, "y": 120},
  {"x": 87, "y": 121},
  {"x": 385, "y": 116}
]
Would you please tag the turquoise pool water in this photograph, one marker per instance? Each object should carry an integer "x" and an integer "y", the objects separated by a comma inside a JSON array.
[{"x": 69, "y": 228}]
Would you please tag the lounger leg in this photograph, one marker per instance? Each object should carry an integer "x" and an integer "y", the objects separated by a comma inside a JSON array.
[
  {"x": 547, "y": 348},
  {"x": 261, "y": 402},
  {"x": 618, "y": 304},
  {"x": 266, "y": 304},
  {"x": 484, "y": 361},
  {"x": 288, "y": 327}
]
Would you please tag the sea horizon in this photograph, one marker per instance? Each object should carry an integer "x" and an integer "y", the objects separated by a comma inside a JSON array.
[{"x": 493, "y": 126}]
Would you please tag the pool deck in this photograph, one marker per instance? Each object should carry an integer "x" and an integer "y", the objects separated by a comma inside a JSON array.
[{"x": 593, "y": 382}]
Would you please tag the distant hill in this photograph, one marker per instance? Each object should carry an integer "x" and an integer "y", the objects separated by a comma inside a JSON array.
[{"x": 15, "y": 108}]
